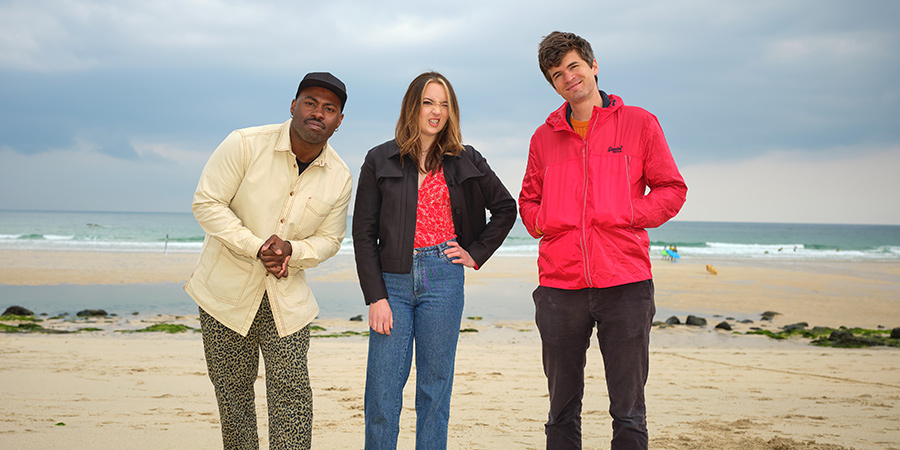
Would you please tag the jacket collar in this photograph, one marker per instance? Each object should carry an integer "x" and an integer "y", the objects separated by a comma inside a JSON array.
[
  {"x": 395, "y": 151},
  {"x": 456, "y": 168},
  {"x": 561, "y": 118}
]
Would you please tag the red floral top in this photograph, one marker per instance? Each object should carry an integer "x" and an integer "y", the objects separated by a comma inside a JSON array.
[{"x": 434, "y": 223}]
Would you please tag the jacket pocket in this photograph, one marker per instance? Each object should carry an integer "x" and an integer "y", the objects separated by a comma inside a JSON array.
[
  {"x": 228, "y": 277},
  {"x": 314, "y": 213},
  {"x": 562, "y": 199},
  {"x": 293, "y": 290},
  {"x": 609, "y": 190}
]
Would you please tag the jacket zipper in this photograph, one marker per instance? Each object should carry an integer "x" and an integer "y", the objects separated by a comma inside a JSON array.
[
  {"x": 584, "y": 247},
  {"x": 628, "y": 188}
]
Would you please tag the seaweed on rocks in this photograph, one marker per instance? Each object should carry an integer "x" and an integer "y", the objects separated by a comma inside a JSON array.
[
  {"x": 162, "y": 328},
  {"x": 830, "y": 337}
]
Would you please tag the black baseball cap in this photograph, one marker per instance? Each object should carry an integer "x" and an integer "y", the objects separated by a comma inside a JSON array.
[{"x": 327, "y": 81}]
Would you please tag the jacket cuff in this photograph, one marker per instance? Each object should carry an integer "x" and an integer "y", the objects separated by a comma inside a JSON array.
[{"x": 253, "y": 246}]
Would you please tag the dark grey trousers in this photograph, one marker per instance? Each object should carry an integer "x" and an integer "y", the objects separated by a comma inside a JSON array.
[{"x": 622, "y": 316}]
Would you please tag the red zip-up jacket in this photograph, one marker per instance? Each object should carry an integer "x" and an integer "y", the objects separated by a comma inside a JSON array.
[{"x": 587, "y": 199}]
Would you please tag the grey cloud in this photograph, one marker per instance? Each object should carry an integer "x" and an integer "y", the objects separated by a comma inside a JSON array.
[{"x": 728, "y": 80}]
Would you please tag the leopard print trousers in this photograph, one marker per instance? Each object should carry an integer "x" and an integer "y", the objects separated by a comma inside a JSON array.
[{"x": 233, "y": 364}]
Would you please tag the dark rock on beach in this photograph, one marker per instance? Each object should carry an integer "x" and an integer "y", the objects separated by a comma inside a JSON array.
[
  {"x": 673, "y": 321},
  {"x": 795, "y": 326},
  {"x": 769, "y": 315},
  {"x": 724, "y": 326},
  {"x": 17, "y": 311},
  {"x": 695, "y": 321},
  {"x": 844, "y": 338},
  {"x": 356, "y": 318},
  {"x": 92, "y": 313}
]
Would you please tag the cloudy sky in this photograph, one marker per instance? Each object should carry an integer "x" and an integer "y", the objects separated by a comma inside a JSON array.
[{"x": 775, "y": 111}]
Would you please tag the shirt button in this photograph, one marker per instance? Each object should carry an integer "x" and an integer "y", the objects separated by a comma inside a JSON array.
[
  {"x": 292, "y": 193},
  {"x": 282, "y": 220}
]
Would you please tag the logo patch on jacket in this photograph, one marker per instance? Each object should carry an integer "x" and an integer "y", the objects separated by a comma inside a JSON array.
[{"x": 615, "y": 149}]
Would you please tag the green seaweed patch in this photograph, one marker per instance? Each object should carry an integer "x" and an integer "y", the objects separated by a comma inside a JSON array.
[
  {"x": 784, "y": 334},
  {"x": 858, "y": 343},
  {"x": 474, "y": 317},
  {"x": 88, "y": 329},
  {"x": 17, "y": 318},
  {"x": 60, "y": 424},
  {"x": 468, "y": 330},
  {"x": 342, "y": 334},
  {"x": 316, "y": 328},
  {"x": 842, "y": 337},
  {"x": 857, "y": 338},
  {"x": 817, "y": 332},
  {"x": 162, "y": 328},
  {"x": 29, "y": 327},
  {"x": 779, "y": 335},
  {"x": 867, "y": 332}
]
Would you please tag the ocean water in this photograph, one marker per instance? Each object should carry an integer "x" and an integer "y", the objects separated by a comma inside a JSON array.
[
  {"x": 99, "y": 231},
  {"x": 179, "y": 232}
]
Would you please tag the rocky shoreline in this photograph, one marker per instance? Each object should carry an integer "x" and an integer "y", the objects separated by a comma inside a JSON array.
[
  {"x": 842, "y": 337},
  {"x": 18, "y": 319}
]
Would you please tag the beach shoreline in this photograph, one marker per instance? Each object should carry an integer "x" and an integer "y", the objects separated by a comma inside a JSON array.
[
  {"x": 708, "y": 388},
  {"x": 824, "y": 293}
]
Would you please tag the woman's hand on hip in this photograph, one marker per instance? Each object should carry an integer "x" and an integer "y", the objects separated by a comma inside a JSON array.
[
  {"x": 381, "y": 319},
  {"x": 459, "y": 255}
]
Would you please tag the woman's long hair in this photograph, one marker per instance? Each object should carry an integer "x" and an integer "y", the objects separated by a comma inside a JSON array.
[{"x": 447, "y": 142}]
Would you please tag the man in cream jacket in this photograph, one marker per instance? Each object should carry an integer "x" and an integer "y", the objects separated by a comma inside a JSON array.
[{"x": 273, "y": 203}]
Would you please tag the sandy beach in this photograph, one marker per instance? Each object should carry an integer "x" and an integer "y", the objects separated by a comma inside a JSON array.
[{"x": 708, "y": 388}]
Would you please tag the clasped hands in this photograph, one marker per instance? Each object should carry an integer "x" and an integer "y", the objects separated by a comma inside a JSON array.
[{"x": 275, "y": 254}]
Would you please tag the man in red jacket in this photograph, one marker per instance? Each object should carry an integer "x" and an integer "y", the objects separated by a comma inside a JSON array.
[{"x": 585, "y": 195}]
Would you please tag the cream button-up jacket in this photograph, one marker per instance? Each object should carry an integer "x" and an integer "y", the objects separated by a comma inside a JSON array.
[{"x": 248, "y": 191}]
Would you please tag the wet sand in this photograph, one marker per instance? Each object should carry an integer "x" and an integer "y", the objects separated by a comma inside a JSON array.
[{"x": 708, "y": 388}]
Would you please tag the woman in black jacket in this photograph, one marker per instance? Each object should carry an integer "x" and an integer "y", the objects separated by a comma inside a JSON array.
[{"x": 419, "y": 219}]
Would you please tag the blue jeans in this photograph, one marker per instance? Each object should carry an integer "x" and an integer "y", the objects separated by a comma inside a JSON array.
[{"x": 427, "y": 306}]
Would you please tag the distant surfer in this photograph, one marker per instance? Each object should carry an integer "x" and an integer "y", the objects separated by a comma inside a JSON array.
[{"x": 673, "y": 253}]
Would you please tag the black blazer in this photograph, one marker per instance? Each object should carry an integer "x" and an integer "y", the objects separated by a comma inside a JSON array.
[{"x": 384, "y": 217}]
